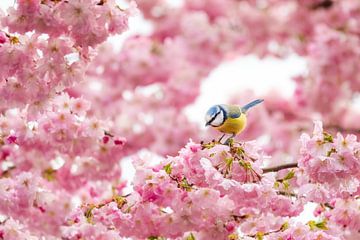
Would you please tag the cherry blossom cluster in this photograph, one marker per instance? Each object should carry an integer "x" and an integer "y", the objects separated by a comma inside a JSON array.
[
  {"x": 27, "y": 197},
  {"x": 53, "y": 151},
  {"x": 88, "y": 23},
  {"x": 53, "y": 51},
  {"x": 61, "y": 142},
  {"x": 331, "y": 161},
  {"x": 210, "y": 190}
]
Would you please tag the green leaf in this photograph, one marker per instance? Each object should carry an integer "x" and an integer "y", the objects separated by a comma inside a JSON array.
[
  {"x": 312, "y": 224},
  {"x": 212, "y": 155},
  {"x": 167, "y": 168},
  {"x": 49, "y": 174},
  {"x": 328, "y": 138},
  {"x": 120, "y": 201},
  {"x": 190, "y": 237},
  {"x": 286, "y": 184},
  {"x": 331, "y": 151},
  {"x": 184, "y": 184},
  {"x": 233, "y": 236},
  {"x": 244, "y": 164},
  {"x": 208, "y": 145},
  {"x": 229, "y": 161},
  {"x": 240, "y": 151},
  {"x": 317, "y": 225},
  {"x": 259, "y": 236},
  {"x": 88, "y": 214},
  {"x": 322, "y": 225},
  {"x": 155, "y": 238},
  {"x": 284, "y": 226},
  {"x": 289, "y": 175},
  {"x": 230, "y": 142}
]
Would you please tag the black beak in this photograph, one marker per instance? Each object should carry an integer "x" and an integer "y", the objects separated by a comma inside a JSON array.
[{"x": 207, "y": 124}]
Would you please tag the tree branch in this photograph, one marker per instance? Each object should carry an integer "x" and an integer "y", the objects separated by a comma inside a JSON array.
[
  {"x": 341, "y": 129},
  {"x": 325, "y": 4},
  {"x": 289, "y": 194},
  {"x": 281, "y": 167}
]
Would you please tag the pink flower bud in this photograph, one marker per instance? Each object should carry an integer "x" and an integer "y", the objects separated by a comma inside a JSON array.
[
  {"x": 230, "y": 226},
  {"x": 2, "y": 38},
  {"x": 11, "y": 139},
  {"x": 4, "y": 154},
  {"x": 120, "y": 141},
  {"x": 106, "y": 139},
  {"x": 42, "y": 209}
]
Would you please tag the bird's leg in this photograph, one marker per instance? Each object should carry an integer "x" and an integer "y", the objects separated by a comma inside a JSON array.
[
  {"x": 227, "y": 142},
  {"x": 221, "y": 138}
]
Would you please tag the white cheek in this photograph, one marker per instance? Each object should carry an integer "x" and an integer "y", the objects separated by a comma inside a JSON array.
[
  {"x": 207, "y": 118},
  {"x": 218, "y": 121}
]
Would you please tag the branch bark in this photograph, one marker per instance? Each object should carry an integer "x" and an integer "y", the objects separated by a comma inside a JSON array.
[
  {"x": 325, "y": 4},
  {"x": 281, "y": 167},
  {"x": 341, "y": 129}
]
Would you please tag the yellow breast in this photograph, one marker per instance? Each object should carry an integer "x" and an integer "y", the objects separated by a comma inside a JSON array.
[{"x": 233, "y": 125}]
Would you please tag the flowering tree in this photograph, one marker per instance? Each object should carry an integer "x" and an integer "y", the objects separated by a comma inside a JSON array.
[{"x": 72, "y": 108}]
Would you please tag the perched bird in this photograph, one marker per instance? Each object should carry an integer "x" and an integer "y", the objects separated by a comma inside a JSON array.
[{"x": 229, "y": 119}]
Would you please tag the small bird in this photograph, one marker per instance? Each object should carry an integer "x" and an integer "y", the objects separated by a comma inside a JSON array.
[{"x": 229, "y": 119}]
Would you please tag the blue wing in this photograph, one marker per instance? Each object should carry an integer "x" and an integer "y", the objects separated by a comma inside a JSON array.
[
  {"x": 233, "y": 111},
  {"x": 251, "y": 104}
]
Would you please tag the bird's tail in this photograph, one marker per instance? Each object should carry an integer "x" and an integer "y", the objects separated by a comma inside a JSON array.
[{"x": 251, "y": 104}]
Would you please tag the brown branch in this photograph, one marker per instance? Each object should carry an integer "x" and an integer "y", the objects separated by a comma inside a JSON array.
[
  {"x": 325, "y": 4},
  {"x": 281, "y": 167},
  {"x": 341, "y": 129},
  {"x": 289, "y": 194},
  {"x": 328, "y": 206}
]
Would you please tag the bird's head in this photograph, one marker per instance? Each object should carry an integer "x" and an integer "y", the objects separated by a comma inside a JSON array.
[{"x": 215, "y": 116}]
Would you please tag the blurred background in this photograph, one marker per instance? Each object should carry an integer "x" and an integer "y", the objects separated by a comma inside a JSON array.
[{"x": 225, "y": 81}]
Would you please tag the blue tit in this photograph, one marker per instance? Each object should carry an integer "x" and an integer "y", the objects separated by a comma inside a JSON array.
[{"x": 229, "y": 119}]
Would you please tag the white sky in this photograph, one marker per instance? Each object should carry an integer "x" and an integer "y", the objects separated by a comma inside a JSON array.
[
  {"x": 246, "y": 73},
  {"x": 5, "y": 4}
]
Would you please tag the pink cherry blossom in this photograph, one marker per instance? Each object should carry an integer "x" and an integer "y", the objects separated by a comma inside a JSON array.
[
  {"x": 77, "y": 111},
  {"x": 331, "y": 161}
]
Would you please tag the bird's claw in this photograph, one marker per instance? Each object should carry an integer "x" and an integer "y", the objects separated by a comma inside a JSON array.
[
  {"x": 219, "y": 141},
  {"x": 229, "y": 142}
]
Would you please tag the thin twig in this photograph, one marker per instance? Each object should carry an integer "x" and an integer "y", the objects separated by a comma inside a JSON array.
[
  {"x": 287, "y": 194},
  {"x": 325, "y": 4},
  {"x": 341, "y": 129},
  {"x": 328, "y": 206},
  {"x": 281, "y": 167}
]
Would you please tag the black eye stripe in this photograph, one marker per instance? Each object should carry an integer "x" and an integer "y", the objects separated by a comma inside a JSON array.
[{"x": 213, "y": 118}]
